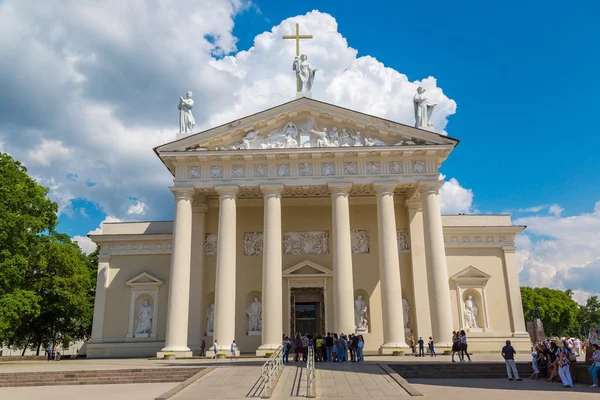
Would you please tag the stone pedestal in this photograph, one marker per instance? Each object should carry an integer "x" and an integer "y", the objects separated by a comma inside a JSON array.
[
  {"x": 536, "y": 330},
  {"x": 254, "y": 333}
]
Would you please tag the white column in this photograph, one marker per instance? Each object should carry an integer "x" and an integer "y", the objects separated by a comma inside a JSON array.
[
  {"x": 196, "y": 325},
  {"x": 389, "y": 270},
  {"x": 272, "y": 280},
  {"x": 179, "y": 282},
  {"x": 439, "y": 288},
  {"x": 421, "y": 309},
  {"x": 103, "y": 279},
  {"x": 343, "y": 281},
  {"x": 224, "y": 318},
  {"x": 514, "y": 299}
]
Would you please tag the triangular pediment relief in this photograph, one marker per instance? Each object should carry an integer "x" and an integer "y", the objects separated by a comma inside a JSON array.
[
  {"x": 307, "y": 268},
  {"x": 306, "y": 123},
  {"x": 144, "y": 279},
  {"x": 470, "y": 274}
]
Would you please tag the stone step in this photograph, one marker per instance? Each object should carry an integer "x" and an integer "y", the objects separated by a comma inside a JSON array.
[
  {"x": 456, "y": 370},
  {"x": 98, "y": 377}
]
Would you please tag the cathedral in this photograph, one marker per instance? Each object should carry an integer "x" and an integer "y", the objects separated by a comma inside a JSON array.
[{"x": 306, "y": 217}]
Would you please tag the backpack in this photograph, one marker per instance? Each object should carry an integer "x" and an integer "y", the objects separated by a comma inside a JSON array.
[{"x": 361, "y": 344}]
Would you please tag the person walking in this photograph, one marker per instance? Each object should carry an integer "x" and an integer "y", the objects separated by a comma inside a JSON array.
[
  {"x": 564, "y": 366},
  {"x": 431, "y": 347},
  {"x": 215, "y": 350},
  {"x": 508, "y": 352},
  {"x": 49, "y": 351},
  {"x": 456, "y": 346},
  {"x": 234, "y": 350},
  {"x": 464, "y": 348},
  {"x": 57, "y": 352},
  {"x": 203, "y": 348},
  {"x": 287, "y": 346},
  {"x": 421, "y": 347},
  {"x": 595, "y": 367}
]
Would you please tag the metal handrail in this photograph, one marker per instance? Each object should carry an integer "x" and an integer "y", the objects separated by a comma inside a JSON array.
[
  {"x": 310, "y": 373},
  {"x": 272, "y": 366}
]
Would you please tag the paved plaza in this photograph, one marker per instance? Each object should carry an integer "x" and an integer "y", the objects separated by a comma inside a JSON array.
[{"x": 241, "y": 380}]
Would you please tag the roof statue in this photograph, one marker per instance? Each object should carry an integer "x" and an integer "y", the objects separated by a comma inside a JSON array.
[
  {"x": 423, "y": 110},
  {"x": 186, "y": 119},
  {"x": 305, "y": 74}
]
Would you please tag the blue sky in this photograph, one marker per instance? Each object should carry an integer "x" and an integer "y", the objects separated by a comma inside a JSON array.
[{"x": 516, "y": 82}]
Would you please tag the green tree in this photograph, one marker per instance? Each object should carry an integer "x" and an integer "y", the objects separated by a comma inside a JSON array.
[
  {"x": 558, "y": 311},
  {"x": 25, "y": 213},
  {"x": 589, "y": 313},
  {"x": 46, "y": 282}
]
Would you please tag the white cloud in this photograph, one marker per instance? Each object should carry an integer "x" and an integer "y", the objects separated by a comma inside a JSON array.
[
  {"x": 139, "y": 208},
  {"x": 49, "y": 151},
  {"x": 561, "y": 252},
  {"x": 555, "y": 210},
  {"x": 85, "y": 243},
  {"x": 533, "y": 209},
  {"x": 112, "y": 76},
  {"x": 454, "y": 198}
]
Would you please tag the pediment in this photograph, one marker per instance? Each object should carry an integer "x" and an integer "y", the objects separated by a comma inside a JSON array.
[
  {"x": 306, "y": 123},
  {"x": 144, "y": 279},
  {"x": 307, "y": 268},
  {"x": 471, "y": 275}
]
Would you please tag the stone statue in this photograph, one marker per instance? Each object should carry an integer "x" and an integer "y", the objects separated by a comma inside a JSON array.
[
  {"x": 254, "y": 312},
  {"x": 423, "y": 110},
  {"x": 145, "y": 316},
  {"x": 471, "y": 311},
  {"x": 210, "y": 318},
  {"x": 360, "y": 314},
  {"x": 186, "y": 119},
  {"x": 406, "y": 312},
  {"x": 304, "y": 73}
]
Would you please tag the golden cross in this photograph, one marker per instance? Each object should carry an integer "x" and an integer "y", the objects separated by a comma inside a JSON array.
[{"x": 297, "y": 36}]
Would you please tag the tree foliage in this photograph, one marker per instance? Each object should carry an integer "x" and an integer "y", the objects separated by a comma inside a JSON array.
[
  {"x": 46, "y": 291},
  {"x": 558, "y": 311}
]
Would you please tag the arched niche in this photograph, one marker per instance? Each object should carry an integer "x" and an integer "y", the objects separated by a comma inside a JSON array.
[
  {"x": 249, "y": 300},
  {"x": 144, "y": 288},
  {"x": 365, "y": 296},
  {"x": 471, "y": 282}
]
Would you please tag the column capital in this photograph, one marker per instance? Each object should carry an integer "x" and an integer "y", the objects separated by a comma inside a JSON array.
[
  {"x": 385, "y": 187},
  {"x": 509, "y": 249},
  {"x": 430, "y": 187},
  {"x": 183, "y": 192},
  {"x": 199, "y": 205},
  {"x": 227, "y": 191},
  {"x": 103, "y": 258},
  {"x": 413, "y": 205},
  {"x": 272, "y": 190},
  {"x": 339, "y": 188}
]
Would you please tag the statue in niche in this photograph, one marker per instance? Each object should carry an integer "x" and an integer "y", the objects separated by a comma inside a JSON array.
[
  {"x": 360, "y": 314},
  {"x": 304, "y": 73},
  {"x": 186, "y": 119},
  {"x": 406, "y": 312},
  {"x": 210, "y": 318},
  {"x": 471, "y": 312},
  {"x": 423, "y": 109},
  {"x": 254, "y": 312},
  {"x": 145, "y": 316}
]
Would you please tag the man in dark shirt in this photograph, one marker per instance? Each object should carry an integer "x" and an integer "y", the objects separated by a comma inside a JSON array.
[
  {"x": 421, "y": 347},
  {"x": 329, "y": 347},
  {"x": 508, "y": 352}
]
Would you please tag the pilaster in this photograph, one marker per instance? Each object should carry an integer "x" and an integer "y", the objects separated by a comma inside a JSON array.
[
  {"x": 515, "y": 304},
  {"x": 102, "y": 282}
]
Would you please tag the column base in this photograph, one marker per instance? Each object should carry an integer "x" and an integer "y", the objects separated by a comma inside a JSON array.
[
  {"x": 266, "y": 348},
  {"x": 177, "y": 354},
  {"x": 388, "y": 348},
  {"x": 520, "y": 334}
]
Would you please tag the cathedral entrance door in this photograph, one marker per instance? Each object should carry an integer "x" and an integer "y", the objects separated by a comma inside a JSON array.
[{"x": 308, "y": 311}]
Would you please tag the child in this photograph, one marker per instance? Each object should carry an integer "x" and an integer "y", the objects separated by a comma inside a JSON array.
[{"x": 536, "y": 371}]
